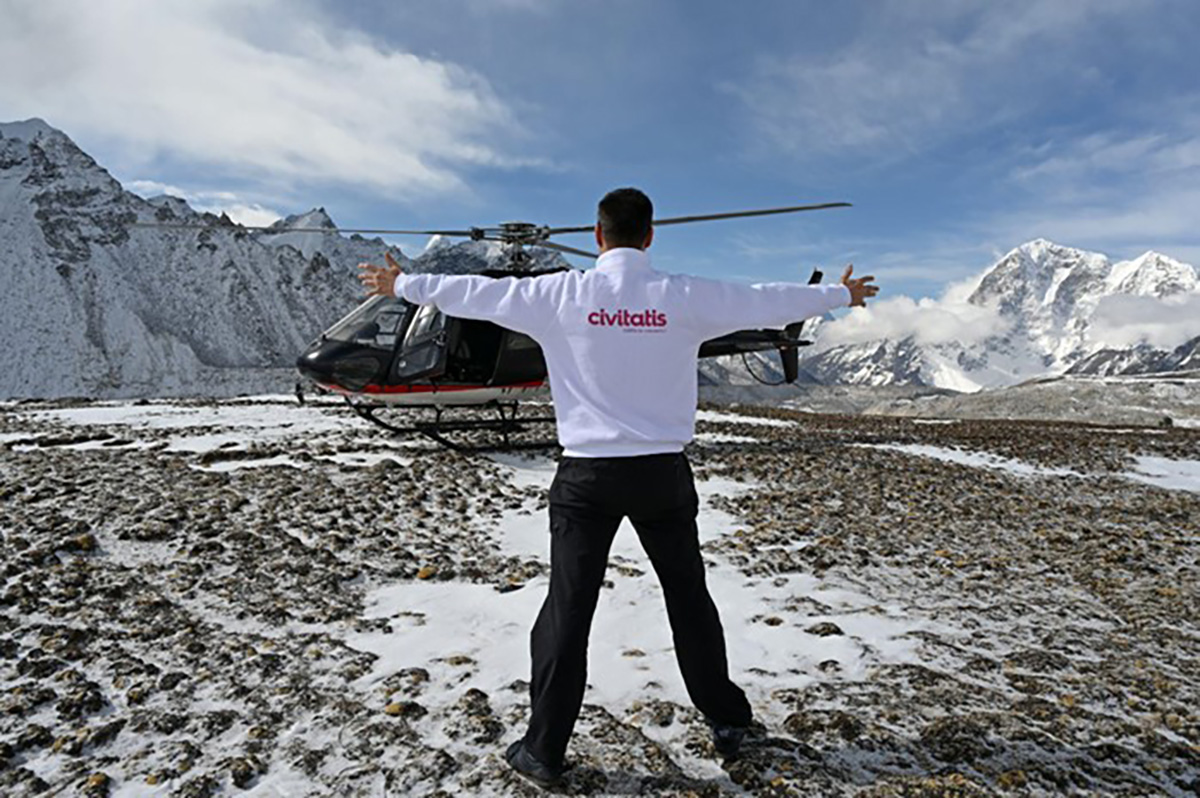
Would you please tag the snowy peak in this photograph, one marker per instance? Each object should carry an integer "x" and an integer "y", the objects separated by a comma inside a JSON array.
[
  {"x": 1041, "y": 250},
  {"x": 316, "y": 218},
  {"x": 29, "y": 130},
  {"x": 1047, "y": 287},
  {"x": 170, "y": 207},
  {"x": 1152, "y": 274},
  {"x": 1039, "y": 273},
  {"x": 438, "y": 242},
  {"x": 315, "y": 232}
]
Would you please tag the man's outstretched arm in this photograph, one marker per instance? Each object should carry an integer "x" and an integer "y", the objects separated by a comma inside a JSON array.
[
  {"x": 514, "y": 302},
  {"x": 718, "y": 307}
]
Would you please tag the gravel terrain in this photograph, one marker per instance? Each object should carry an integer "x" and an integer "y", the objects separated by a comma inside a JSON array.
[{"x": 251, "y": 597}]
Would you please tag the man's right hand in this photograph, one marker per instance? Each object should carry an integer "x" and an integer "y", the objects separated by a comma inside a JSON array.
[
  {"x": 380, "y": 280},
  {"x": 860, "y": 289}
]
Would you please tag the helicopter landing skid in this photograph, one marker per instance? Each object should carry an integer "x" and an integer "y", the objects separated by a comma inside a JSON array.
[{"x": 506, "y": 423}]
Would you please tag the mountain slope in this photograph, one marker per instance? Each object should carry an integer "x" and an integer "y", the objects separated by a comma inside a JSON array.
[
  {"x": 94, "y": 305},
  {"x": 1140, "y": 359}
]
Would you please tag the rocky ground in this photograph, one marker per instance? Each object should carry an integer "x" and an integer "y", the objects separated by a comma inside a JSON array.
[
  {"x": 1144, "y": 400},
  {"x": 250, "y": 597}
]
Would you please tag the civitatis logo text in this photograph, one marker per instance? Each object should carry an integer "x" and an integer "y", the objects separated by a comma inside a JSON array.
[{"x": 649, "y": 320}]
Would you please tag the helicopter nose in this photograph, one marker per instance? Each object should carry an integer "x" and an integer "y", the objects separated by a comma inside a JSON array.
[
  {"x": 314, "y": 364},
  {"x": 336, "y": 364}
]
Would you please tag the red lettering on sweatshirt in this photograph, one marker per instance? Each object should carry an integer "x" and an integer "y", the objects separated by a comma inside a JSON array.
[{"x": 627, "y": 319}]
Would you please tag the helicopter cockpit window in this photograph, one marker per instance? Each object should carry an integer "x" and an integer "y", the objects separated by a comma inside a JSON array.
[
  {"x": 389, "y": 322},
  {"x": 429, "y": 322},
  {"x": 374, "y": 323},
  {"x": 424, "y": 350}
]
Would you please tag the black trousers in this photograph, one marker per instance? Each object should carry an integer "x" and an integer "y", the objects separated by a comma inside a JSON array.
[{"x": 588, "y": 499}]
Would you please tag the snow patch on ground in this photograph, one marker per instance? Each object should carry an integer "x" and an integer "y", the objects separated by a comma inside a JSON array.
[
  {"x": 260, "y": 462},
  {"x": 258, "y": 421},
  {"x": 6, "y": 437},
  {"x": 723, "y": 437},
  {"x": 365, "y": 459},
  {"x": 738, "y": 418},
  {"x": 1163, "y": 472},
  {"x": 975, "y": 459}
]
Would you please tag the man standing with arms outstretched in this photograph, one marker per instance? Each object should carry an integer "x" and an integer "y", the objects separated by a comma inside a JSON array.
[{"x": 621, "y": 343}]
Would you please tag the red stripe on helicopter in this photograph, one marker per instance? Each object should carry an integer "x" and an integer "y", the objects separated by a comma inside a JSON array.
[{"x": 445, "y": 388}]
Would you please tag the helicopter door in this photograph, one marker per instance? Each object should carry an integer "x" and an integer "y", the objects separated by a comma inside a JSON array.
[{"x": 423, "y": 354}]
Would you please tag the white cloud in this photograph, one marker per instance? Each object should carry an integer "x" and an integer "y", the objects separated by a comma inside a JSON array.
[
  {"x": 266, "y": 91},
  {"x": 153, "y": 188},
  {"x": 1121, "y": 321},
  {"x": 253, "y": 214},
  {"x": 928, "y": 320},
  {"x": 229, "y": 203}
]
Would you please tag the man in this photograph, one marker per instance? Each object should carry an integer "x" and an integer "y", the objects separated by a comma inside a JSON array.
[{"x": 621, "y": 344}]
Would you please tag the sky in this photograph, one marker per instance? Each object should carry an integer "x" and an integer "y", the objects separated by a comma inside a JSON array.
[{"x": 958, "y": 129}]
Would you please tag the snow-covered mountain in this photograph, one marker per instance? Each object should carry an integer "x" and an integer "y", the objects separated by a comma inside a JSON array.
[
  {"x": 93, "y": 305},
  {"x": 1045, "y": 298},
  {"x": 1140, "y": 359},
  {"x": 444, "y": 255}
]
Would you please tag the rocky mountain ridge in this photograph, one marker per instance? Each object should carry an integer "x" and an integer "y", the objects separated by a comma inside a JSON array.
[
  {"x": 95, "y": 305},
  {"x": 1140, "y": 359}
]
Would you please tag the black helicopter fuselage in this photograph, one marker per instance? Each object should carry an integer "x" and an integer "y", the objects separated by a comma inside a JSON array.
[{"x": 394, "y": 352}]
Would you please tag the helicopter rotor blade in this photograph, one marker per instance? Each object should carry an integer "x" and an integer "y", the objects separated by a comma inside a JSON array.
[
  {"x": 562, "y": 248},
  {"x": 483, "y": 233},
  {"x": 281, "y": 231},
  {"x": 553, "y": 231},
  {"x": 740, "y": 214},
  {"x": 713, "y": 216}
]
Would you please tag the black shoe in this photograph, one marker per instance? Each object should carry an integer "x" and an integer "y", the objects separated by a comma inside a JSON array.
[
  {"x": 520, "y": 760},
  {"x": 727, "y": 739}
]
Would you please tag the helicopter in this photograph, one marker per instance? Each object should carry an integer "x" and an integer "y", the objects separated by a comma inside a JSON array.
[{"x": 389, "y": 356}]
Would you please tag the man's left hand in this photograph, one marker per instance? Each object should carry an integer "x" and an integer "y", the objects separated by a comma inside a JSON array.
[
  {"x": 860, "y": 289},
  {"x": 380, "y": 280}
]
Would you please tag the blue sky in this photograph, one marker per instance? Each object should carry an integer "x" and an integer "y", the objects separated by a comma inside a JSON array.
[{"x": 959, "y": 130}]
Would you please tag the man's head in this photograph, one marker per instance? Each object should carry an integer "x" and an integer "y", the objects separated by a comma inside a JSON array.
[{"x": 623, "y": 220}]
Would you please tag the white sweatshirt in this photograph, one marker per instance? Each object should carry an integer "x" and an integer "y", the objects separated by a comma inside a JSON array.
[{"x": 621, "y": 340}]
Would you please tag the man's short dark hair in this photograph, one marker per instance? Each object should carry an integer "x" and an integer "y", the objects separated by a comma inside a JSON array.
[{"x": 625, "y": 215}]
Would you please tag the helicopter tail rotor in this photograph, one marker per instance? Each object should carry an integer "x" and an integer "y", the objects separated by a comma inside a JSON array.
[
  {"x": 790, "y": 359},
  {"x": 789, "y": 354}
]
